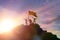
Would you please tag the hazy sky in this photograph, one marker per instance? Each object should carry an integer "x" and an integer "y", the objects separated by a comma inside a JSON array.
[{"x": 48, "y": 11}]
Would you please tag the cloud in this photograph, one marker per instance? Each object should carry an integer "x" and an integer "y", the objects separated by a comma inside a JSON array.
[{"x": 57, "y": 20}]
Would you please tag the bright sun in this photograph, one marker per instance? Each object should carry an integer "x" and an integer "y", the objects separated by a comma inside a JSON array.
[
  {"x": 7, "y": 25},
  {"x": 9, "y": 20}
]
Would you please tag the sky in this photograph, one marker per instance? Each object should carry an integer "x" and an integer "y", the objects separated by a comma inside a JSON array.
[{"x": 48, "y": 12}]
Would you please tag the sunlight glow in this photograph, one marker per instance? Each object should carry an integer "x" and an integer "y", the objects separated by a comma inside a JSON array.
[
  {"x": 9, "y": 20},
  {"x": 7, "y": 25}
]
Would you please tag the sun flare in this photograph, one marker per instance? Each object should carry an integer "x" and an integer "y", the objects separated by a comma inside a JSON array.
[
  {"x": 9, "y": 20},
  {"x": 7, "y": 26}
]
